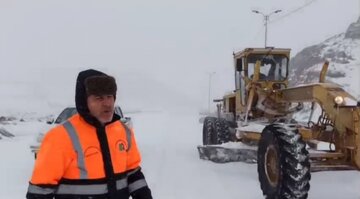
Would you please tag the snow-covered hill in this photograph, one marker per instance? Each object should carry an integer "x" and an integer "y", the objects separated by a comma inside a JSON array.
[{"x": 343, "y": 53}]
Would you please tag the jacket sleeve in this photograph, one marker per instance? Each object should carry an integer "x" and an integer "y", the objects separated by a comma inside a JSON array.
[
  {"x": 137, "y": 185},
  {"x": 40, "y": 191},
  {"x": 49, "y": 166}
]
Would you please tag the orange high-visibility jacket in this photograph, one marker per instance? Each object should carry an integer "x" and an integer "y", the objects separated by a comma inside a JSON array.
[{"x": 70, "y": 162}]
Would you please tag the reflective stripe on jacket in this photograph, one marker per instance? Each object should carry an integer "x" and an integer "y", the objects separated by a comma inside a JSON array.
[{"x": 70, "y": 163}]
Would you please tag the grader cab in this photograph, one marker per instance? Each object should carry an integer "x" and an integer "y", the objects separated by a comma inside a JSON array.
[{"x": 259, "y": 114}]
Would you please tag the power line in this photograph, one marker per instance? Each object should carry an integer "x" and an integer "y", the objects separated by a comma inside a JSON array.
[{"x": 293, "y": 11}]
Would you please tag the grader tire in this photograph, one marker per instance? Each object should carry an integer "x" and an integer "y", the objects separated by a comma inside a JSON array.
[
  {"x": 208, "y": 130},
  {"x": 283, "y": 163},
  {"x": 222, "y": 131},
  {"x": 215, "y": 131}
]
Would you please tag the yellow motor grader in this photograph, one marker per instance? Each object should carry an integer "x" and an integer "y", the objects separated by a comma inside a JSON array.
[{"x": 260, "y": 115}]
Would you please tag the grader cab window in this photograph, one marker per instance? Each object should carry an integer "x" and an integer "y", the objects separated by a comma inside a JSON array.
[
  {"x": 239, "y": 79},
  {"x": 239, "y": 72},
  {"x": 273, "y": 67}
]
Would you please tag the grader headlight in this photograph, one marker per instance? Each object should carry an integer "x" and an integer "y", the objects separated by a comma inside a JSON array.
[{"x": 339, "y": 100}]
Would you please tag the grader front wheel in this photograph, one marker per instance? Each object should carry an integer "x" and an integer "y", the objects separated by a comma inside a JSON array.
[
  {"x": 283, "y": 163},
  {"x": 272, "y": 169}
]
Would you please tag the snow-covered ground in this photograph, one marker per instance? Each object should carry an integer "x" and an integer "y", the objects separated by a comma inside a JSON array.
[
  {"x": 168, "y": 140},
  {"x": 161, "y": 58}
]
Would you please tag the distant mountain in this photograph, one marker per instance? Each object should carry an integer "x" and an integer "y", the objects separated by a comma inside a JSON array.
[{"x": 343, "y": 53}]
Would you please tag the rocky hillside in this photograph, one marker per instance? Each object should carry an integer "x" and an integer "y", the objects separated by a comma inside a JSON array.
[{"x": 343, "y": 53}]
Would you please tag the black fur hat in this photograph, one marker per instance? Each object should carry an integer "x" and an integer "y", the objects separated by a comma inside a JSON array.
[{"x": 100, "y": 85}]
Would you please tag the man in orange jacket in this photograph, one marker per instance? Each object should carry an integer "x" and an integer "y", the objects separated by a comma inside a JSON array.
[{"x": 92, "y": 155}]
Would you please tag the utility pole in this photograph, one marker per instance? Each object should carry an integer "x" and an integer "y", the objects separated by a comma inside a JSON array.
[
  {"x": 266, "y": 19},
  {"x": 209, "y": 97}
]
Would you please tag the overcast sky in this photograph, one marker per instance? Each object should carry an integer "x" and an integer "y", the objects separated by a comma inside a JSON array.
[{"x": 168, "y": 40}]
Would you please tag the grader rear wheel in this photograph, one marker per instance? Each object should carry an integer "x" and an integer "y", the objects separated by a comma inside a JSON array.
[
  {"x": 215, "y": 131},
  {"x": 208, "y": 130},
  {"x": 283, "y": 163},
  {"x": 222, "y": 131}
]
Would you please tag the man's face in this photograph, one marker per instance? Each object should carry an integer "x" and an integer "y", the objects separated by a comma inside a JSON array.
[{"x": 101, "y": 107}]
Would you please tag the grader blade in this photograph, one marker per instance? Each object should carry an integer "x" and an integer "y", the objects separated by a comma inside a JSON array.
[
  {"x": 221, "y": 154},
  {"x": 316, "y": 167}
]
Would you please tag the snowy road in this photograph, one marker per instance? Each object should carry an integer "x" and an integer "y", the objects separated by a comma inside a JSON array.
[
  {"x": 172, "y": 165},
  {"x": 168, "y": 141}
]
